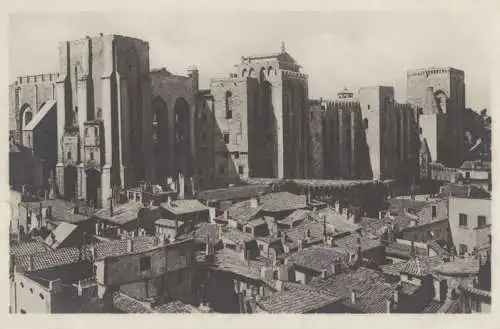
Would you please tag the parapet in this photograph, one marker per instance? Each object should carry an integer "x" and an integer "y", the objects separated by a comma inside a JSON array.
[{"x": 38, "y": 78}]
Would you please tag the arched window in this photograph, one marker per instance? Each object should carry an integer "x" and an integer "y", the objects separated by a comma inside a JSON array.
[
  {"x": 244, "y": 72},
  {"x": 269, "y": 71},
  {"x": 229, "y": 103},
  {"x": 365, "y": 122},
  {"x": 28, "y": 117},
  {"x": 251, "y": 73},
  {"x": 262, "y": 75}
]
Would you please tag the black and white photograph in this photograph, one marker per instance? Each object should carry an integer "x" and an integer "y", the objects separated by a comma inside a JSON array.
[{"x": 249, "y": 162}]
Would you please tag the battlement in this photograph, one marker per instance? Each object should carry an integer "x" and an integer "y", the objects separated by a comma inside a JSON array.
[
  {"x": 292, "y": 74},
  {"x": 38, "y": 78},
  {"x": 333, "y": 104},
  {"x": 432, "y": 71}
]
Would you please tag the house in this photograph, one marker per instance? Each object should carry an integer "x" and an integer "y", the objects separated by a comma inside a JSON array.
[
  {"x": 469, "y": 219},
  {"x": 281, "y": 204},
  {"x": 297, "y": 299},
  {"x": 189, "y": 211},
  {"x": 474, "y": 300},
  {"x": 125, "y": 220},
  {"x": 242, "y": 212},
  {"x": 66, "y": 235},
  {"x": 316, "y": 262},
  {"x": 169, "y": 227},
  {"x": 402, "y": 250}
]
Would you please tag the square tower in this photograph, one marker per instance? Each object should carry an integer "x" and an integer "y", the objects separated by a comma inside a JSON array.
[
  {"x": 448, "y": 87},
  {"x": 103, "y": 117}
]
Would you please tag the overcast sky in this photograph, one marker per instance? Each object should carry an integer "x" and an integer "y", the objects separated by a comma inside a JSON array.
[{"x": 335, "y": 49}]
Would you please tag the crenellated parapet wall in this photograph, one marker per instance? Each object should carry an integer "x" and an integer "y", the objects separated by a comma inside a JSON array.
[{"x": 37, "y": 78}]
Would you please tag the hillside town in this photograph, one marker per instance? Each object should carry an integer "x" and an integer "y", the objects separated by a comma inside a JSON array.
[{"x": 133, "y": 190}]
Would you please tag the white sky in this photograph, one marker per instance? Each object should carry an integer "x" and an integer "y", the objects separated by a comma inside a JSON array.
[{"x": 336, "y": 49}]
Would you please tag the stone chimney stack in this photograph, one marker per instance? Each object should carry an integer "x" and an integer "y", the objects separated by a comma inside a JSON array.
[
  {"x": 181, "y": 186},
  {"x": 388, "y": 305},
  {"x": 354, "y": 297},
  {"x": 31, "y": 265},
  {"x": 130, "y": 245}
]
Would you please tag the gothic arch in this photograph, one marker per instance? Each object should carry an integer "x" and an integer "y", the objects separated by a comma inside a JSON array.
[
  {"x": 262, "y": 74},
  {"x": 269, "y": 70},
  {"x": 442, "y": 99},
  {"x": 182, "y": 136},
  {"x": 70, "y": 180},
  {"x": 93, "y": 186},
  {"x": 228, "y": 103},
  {"x": 26, "y": 114},
  {"x": 251, "y": 73},
  {"x": 244, "y": 72}
]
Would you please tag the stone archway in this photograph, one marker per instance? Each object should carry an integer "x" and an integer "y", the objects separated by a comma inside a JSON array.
[
  {"x": 70, "y": 182},
  {"x": 93, "y": 187},
  {"x": 182, "y": 137}
]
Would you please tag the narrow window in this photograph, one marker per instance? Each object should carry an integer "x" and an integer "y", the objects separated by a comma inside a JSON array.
[
  {"x": 41, "y": 297},
  {"x": 91, "y": 155},
  {"x": 236, "y": 155},
  {"x": 462, "y": 220},
  {"x": 241, "y": 170},
  {"x": 145, "y": 263},
  {"x": 481, "y": 221},
  {"x": 69, "y": 155},
  {"x": 463, "y": 249},
  {"x": 226, "y": 138},
  {"x": 433, "y": 211},
  {"x": 229, "y": 101}
]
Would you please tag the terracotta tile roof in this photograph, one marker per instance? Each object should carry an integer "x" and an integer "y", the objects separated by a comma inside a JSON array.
[
  {"x": 318, "y": 258},
  {"x": 296, "y": 301},
  {"x": 172, "y": 307},
  {"x": 243, "y": 211},
  {"x": 432, "y": 307},
  {"x": 475, "y": 291},
  {"x": 62, "y": 211},
  {"x": 417, "y": 267},
  {"x": 233, "y": 193},
  {"x": 236, "y": 235},
  {"x": 440, "y": 251},
  {"x": 396, "y": 268},
  {"x": 336, "y": 220},
  {"x": 397, "y": 205},
  {"x": 450, "y": 306},
  {"x": 204, "y": 231},
  {"x": 126, "y": 304},
  {"x": 28, "y": 248},
  {"x": 256, "y": 222},
  {"x": 60, "y": 234},
  {"x": 122, "y": 213},
  {"x": 66, "y": 256},
  {"x": 350, "y": 242},
  {"x": 371, "y": 289},
  {"x": 460, "y": 266},
  {"x": 408, "y": 288},
  {"x": 185, "y": 206},
  {"x": 294, "y": 217},
  {"x": 316, "y": 231},
  {"x": 282, "y": 201}
]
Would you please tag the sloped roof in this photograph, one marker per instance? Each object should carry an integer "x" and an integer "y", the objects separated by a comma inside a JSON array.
[
  {"x": 230, "y": 261},
  {"x": 296, "y": 301},
  {"x": 184, "y": 206},
  {"x": 236, "y": 235},
  {"x": 168, "y": 222},
  {"x": 49, "y": 105},
  {"x": 459, "y": 266},
  {"x": 350, "y": 242},
  {"x": 233, "y": 193},
  {"x": 127, "y": 304},
  {"x": 243, "y": 211},
  {"x": 297, "y": 215},
  {"x": 318, "y": 258},
  {"x": 28, "y": 248},
  {"x": 60, "y": 234},
  {"x": 403, "y": 250},
  {"x": 395, "y": 269},
  {"x": 417, "y": 266},
  {"x": 468, "y": 191},
  {"x": 338, "y": 221},
  {"x": 282, "y": 201},
  {"x": 122, "y": 213}
]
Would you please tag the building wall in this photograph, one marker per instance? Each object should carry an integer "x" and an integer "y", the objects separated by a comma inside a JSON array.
[
  {"x": 105, "y": 78},
  {"x": 434, "y": 131},
  {"x": 170, "y": 93},
  {"x": 471, "y": 235},
  {"x": 450, "y": 82},
  {"x": 30, "y": 296},
  {"x": 316, "y": 141},
  {"x": 205, "y": 139}
]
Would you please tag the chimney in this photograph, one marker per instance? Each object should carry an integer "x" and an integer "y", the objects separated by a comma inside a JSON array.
[
  {"x": 337, "y": 206},
  {"x": 388, "y": 305},
  {"x": 380, "y": 215},
  {"x": 156, "y": 241},
  {"x": 169, "y": 201},
  {"x": 79, "y": 288},
  {"x": 31, "y": 266},
  {"x": 279, "y": 285},
  {"x": 226, "y": 214},
  {"x": 92, "y": 252},
  {"x": 49, "y": 211},
  {"x": 97, "y": 229},
  {"x": 396, "y": 294},
  {"x": 354, "y": 298},
  {"x": 254, "y": 203},
  {"x": 323, "y": 274},
  {"x": 300, "y": 244},
  {"x": 468, "y": 191},
  {"x": 130, "y": 245}
]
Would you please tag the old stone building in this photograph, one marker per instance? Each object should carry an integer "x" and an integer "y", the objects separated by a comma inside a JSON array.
[
  {"x": 368, "y": 136},
  {"x": 261, "y": 119},
  {"x": 99, "y": 122},
  {"x": 439, "y": 93}
]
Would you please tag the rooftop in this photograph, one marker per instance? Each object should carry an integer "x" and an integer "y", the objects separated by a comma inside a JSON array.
[
  {"x": 318, "y": 258},
  {"x": 338, "y": 221},
  {"x": 168, "y": 222},
  {"x": 369, "y": 285},
  {"x": 62, "y": 211},
  {"x": 465, "y": 191},
  {"x": 185, "y": 206},
  {"x": 403, "y": 250},
  {"x": 459, "y": 266},
  {"x": 122, "y": 213},
  {"x": 282, "y": 201},
  {"x": 28, "y": 248},
  {"x": 243, "y": 211},
  {"x": 295, "y": 216},
  {"x": 395, "y": 269},
  {"x": 230, "y": 261},
  {"x": 60, "y": 234},
  {"x": 233, "y": 193},
  {"x": 350, "y": 242},
  {"x": 295, "y": 300},
  {"x": 236, "y": 235}
]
